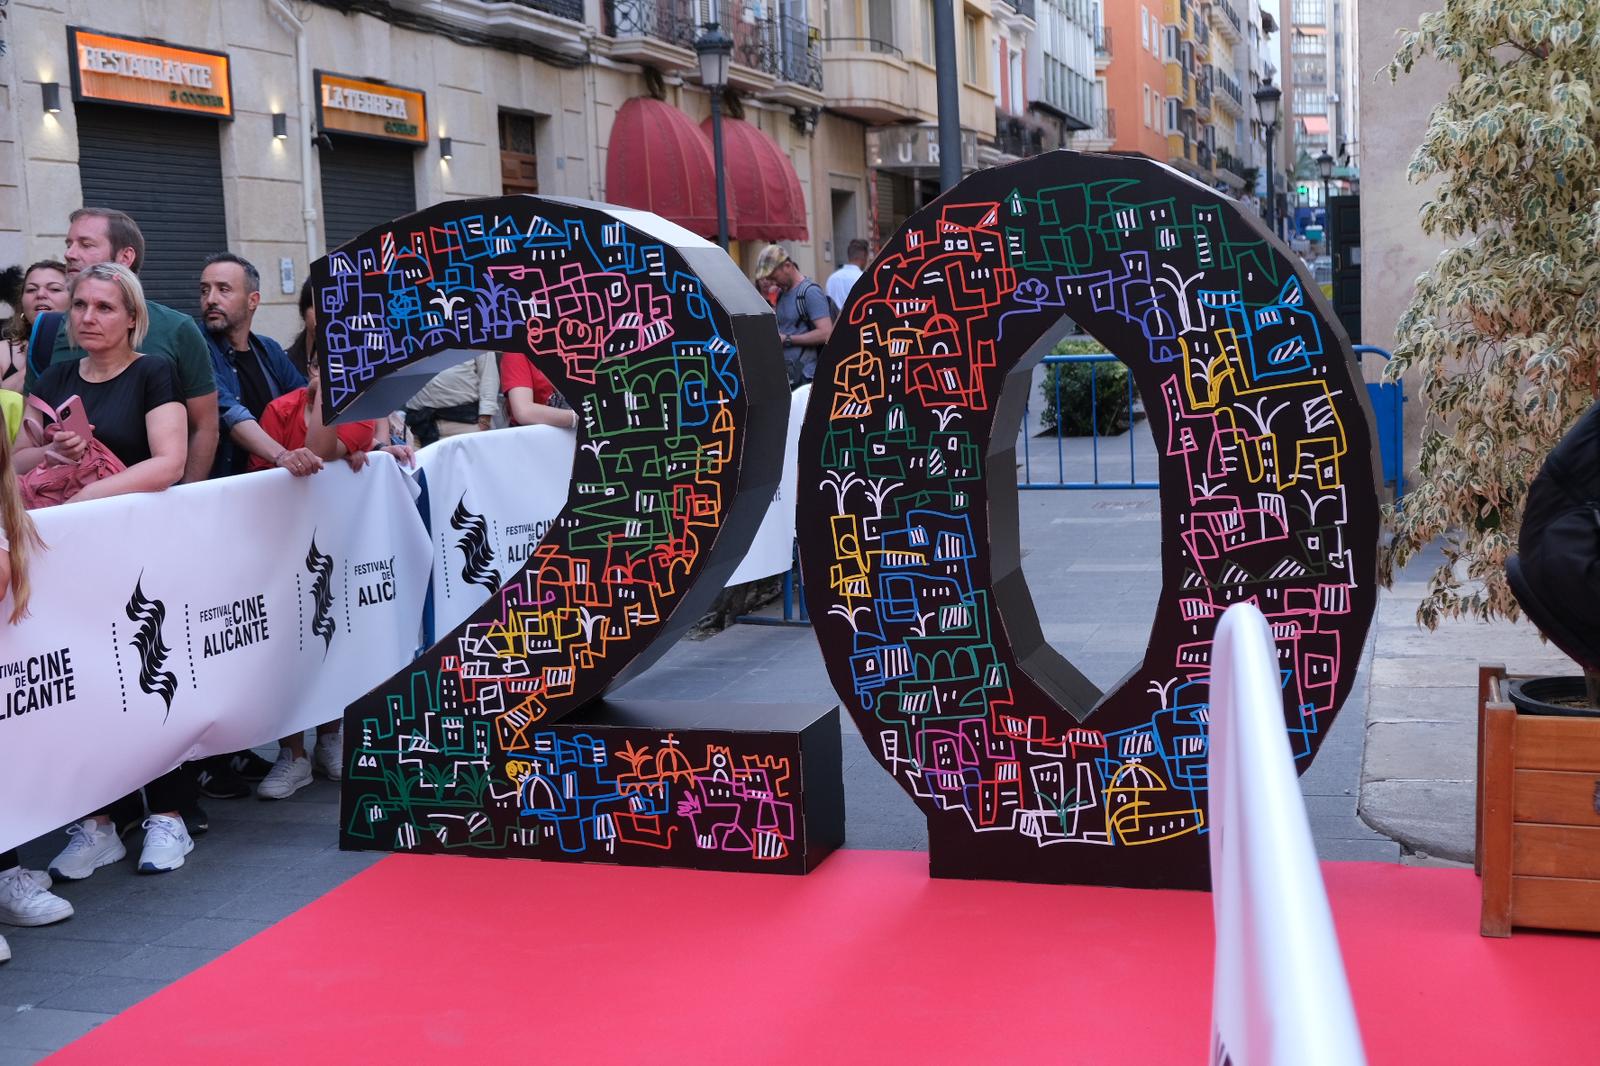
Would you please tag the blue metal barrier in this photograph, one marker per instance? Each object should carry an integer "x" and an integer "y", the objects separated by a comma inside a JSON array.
[
  {"x": 1095, "y": 481},
  {"x": 1389, "y": 411}
]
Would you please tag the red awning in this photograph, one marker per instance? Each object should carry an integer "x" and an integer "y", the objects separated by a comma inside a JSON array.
[
  {"x": 658, "y": 160},
  {"x": 1315, "y": 125},
  {"x": 762, "y": 182}
]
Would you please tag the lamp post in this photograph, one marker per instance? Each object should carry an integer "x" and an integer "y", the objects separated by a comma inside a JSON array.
[
  {"x": 1268, "y": 98},
  {"x": 1325, "y": 168},
  {"x": 715, "y": 50}
]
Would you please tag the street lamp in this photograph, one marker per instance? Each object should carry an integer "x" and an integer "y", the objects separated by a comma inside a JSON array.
[
  {"x": 715, "y": 49},
  {"x": 1268, "y": 97},
  {"x": 1325, "y": 168}
]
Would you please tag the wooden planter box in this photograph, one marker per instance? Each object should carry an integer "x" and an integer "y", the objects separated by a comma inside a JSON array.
[{"x": 1538, "y": 819}]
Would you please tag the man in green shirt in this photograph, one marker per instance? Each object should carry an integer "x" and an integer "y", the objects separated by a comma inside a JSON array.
[{"x": 101, "y": 235}]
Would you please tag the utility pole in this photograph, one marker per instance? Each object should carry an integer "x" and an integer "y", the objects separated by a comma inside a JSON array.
[{"x": 949, "y": 95}]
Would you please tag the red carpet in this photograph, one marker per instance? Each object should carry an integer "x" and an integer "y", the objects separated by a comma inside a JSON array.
[{"x": 431, "y": 958}]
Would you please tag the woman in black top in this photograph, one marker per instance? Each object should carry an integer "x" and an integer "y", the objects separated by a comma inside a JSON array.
[
  {"x": 135, "y": 406},
  {"x": 134, "y": 402}
]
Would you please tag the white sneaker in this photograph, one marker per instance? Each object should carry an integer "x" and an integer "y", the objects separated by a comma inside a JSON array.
[
  {"x": 5, "y": 950},
  {"x": 166, "y": 842},
  {"x": 327, "y": 758},
  {"x": 89, "y": 847},
  {"x": 287, "y": 776},
  {"x": 23, "y": 902}
]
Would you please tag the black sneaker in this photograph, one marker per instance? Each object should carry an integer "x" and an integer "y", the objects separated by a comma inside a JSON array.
[
  {"x": 219, "y": 780},
  {"x": 249, "y": 765},
  {"x": 196, "y": 819}
]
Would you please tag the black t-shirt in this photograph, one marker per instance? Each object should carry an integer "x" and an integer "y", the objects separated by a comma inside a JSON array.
[
  {"x": 116, "y": 408},
  {"x": 254, "y": 392}
]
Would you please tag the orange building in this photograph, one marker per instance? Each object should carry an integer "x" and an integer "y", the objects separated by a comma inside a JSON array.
[{"x": 1135, "y": 77}]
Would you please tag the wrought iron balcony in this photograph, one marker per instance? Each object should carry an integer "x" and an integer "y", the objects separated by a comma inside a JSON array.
[
  {"x": 671, "y": 21},
  {"x": 1102, "y": 42},
  {"x": 1025, "y": 8},
  {"x": 567, "y": 9}
]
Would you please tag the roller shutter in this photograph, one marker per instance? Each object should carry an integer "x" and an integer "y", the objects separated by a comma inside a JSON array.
[
  {"x": 166, "y": 171},
  {"x": 365, "y": 183}
]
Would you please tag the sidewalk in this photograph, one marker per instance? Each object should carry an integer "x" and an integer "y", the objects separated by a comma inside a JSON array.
[{"x": 1419, "y": 775}]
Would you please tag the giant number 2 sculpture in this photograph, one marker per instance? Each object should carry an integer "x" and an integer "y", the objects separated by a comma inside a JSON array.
[
  {"x": 671, "y": 360},
  {"x": 907, "y": 510}
]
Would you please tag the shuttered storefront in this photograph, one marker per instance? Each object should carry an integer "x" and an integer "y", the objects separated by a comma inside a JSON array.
[
  {"x": 166, "y": 171},
  {"x": 365, "y": 183}
]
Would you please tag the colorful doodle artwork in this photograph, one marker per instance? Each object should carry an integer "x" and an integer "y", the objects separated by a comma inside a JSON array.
[
  {"x": 907, "y": 510},
  {"x": 671, "y": 360}
]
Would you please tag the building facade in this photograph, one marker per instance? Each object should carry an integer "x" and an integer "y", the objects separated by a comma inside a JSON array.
[{"x": 280, "y": 130}]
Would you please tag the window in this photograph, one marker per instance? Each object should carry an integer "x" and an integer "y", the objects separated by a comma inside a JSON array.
[
  {"x": 1173, "y": 50},
  {"x": 1144, "y": 27},
  {"x": 1018, "y": 103},
  {"x": 1148, "y": 121},
  {"x": 1172, "y": 114},
  {"x": 927, "y": 32},
  {"x": 1310, "y": 101},
  {"x": 974, "y": 71}
]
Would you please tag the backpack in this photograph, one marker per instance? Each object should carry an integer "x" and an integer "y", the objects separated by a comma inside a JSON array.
[
  {"x": 800, "y": 305},
  {"x": 43, "y": 339},
  {"x": 1555, "y": 574}
]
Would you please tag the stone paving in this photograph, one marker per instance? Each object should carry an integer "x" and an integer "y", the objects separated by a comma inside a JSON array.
[{"x": 1092, "y": 562}]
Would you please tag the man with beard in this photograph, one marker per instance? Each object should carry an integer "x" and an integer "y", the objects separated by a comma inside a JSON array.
[{"x": 251, "y": 370}]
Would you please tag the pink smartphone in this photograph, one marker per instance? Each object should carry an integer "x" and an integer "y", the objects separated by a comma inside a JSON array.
[{"x": 70, "y": 416}]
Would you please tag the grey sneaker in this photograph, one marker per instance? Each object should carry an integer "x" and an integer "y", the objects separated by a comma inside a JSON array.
[
  {"x": 327, "y": 758},
  {"x": 288, "y": 776},
  {"x": 166, "y": 842},
  {"x": 23, "y": 902},
  {"x": 89, "y": 847}
]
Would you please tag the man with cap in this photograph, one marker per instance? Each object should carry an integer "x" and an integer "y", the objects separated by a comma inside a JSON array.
[{"x": 805, "y": 321}]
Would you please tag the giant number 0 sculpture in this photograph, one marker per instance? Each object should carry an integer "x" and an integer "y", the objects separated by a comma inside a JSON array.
[
  {"x": 671, "y": 359},
  {"x": 907, "y": 510}
]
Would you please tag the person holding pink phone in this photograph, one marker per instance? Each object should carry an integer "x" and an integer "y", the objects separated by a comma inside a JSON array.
[{"x": 135, "y": 405}]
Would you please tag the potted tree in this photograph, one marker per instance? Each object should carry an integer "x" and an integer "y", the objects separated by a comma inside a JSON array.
[{"x": 1504, "y": 331}]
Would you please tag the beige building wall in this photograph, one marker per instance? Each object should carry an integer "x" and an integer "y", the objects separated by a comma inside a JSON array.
[
  {"x": 466, "y": 87},
  {"x": 1393, "y": 118}
]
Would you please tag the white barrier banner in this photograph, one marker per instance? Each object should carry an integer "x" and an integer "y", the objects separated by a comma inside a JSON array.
[
  {"x": 1279, "y": 994},
  {"x": 772, "y": 549},
  {"x": 491, "y": 499},
  {"x": 201, "y": 620}
]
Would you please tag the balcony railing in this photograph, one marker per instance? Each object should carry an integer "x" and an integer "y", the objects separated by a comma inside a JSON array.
[
  {"x": 1025, "y": 8},
  {"x": 787, "y": 48},
  {"x": 1230, "y": 13},
  {"x": 1224, "y": 82},
  {"x": 862, "y": 44},
  {"x": 672, "y": 21},
  {"x": 1105, "y": 125},
  {"x": 1102, "y": 41},
  {"x": 1017, "y": 138},
  {"x": 1228, "y": 161},
  {"x": 1202, "y": 157},
  {"x": 567, "y": 9}
]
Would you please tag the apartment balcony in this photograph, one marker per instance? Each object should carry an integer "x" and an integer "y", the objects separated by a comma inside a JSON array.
[
  {"x": 1016, "y": 137},
  {"x": 1026, "y": 8},
  {"x": 1102, "y": 48},
  {"x": 554, "y": 24},
  {"x": 1203, "y": 158},
  {"x": 1101, "y": 134},
  {"x": 1227, "y": 21},
  {"x": 1226, "y": 160},
  {"x": 657, "y": 33},
  {"x": 1202, "y": 39},
  {"x": 1202, "y": 99},
  {"x": 868, "y": 79},
  {"x": 1229, "y": 96},
  {"x": 775, "y": 57}
]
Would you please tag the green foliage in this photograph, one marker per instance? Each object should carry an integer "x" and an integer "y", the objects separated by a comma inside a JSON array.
[
  {"x": 1505, "y": 329},
  {"x": 1108, "y": 382}
]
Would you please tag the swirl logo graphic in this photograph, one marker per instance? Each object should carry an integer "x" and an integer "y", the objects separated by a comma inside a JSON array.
[
  {"x": 321, "y": 568},
  {"x": 477, "y": 558},
  {"x": 148, "y": 616}
]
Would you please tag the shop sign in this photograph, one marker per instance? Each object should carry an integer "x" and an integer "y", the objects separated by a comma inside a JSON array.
[
  {"x": 137, "y": 73},
  {"x": 371, "y": 109}
]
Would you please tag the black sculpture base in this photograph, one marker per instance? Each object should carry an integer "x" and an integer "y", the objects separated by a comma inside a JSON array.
[
  {"x": 742, "y": 787},
  {"x": 956, "y": 852}
]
